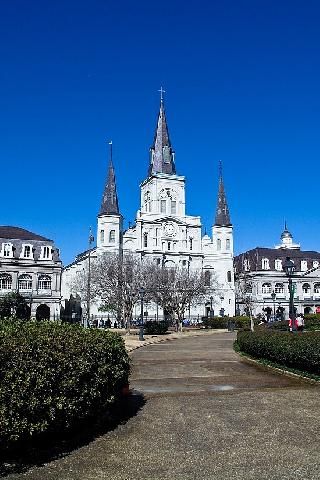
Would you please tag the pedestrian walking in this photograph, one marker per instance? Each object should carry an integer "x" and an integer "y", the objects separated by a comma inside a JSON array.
[{"x": 300, "y": 322}]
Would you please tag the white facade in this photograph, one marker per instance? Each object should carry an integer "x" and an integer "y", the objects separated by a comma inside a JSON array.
[{"x": 164, "y": 233}]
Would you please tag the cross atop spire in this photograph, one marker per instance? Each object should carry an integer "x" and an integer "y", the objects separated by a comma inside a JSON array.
[
  {"x": 222, "y": 212},
  {"x": 161, "y": 152},
  {"x": 161, "y": 94},
  {"x": 109, "y": 204}
]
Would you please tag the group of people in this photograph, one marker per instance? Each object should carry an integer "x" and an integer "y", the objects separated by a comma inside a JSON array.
[{"x": 298, "y": 323}]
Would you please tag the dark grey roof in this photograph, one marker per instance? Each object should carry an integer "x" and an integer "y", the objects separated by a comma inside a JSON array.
[
  {"x": 162, "y": 155},
  {"x": 18, "y": 233},
  {"x": 222, "y": 212},
  {"x": 110, "y": 205},
  {"x": 255, "y": 256}
]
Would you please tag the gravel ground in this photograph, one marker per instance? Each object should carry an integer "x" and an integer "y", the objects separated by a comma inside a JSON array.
[{"x": 198, "y": 412}]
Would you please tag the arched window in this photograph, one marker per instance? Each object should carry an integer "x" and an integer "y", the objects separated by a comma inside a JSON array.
[
  {"x": 228, "y": 244},
  {"x": 44, "y": 282},
  {"x": 265, "y": 264},
  {"x": 207, "y": 278},
  {"x": 279, "y": 288},
  {"x": 145, "y": 240},
  {"x": 5, "y": 281},
  {"x": 147, "y": 202},
  {"x": 229, "y": 277},
  {"x": 218, "y": 244},
  {"x": 112, "y": 236},
  {"x": 316, "y": 288},
  {"x": 306, "y": 288},
  {"x": 266, "y": 288},
  {"x": 102, "y": 236},
  {"x": 25, "y": 282}
]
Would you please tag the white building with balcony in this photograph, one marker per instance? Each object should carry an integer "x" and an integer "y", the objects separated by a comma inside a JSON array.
[
  {"x": 259, "y": 274},
  {"x": 30, "y": 265}
]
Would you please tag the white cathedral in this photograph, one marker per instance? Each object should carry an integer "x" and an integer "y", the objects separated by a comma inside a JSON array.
[{"x": 164, "y": 232}]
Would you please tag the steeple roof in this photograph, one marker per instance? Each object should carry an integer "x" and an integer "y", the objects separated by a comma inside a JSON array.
[
  {"x": 109, "y": 204},
  {"x": 222, "y": 212},
  {"x": 161, "y": 153}
]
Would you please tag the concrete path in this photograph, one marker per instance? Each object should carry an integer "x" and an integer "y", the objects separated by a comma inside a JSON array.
[{"x": 207, "y": 415}]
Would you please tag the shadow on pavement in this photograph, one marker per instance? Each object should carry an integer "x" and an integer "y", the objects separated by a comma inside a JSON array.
[{"x": 49, "y": 448}]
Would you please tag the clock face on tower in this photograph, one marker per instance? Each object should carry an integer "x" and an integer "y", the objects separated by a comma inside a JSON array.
[{"x": 169, "y": 229}]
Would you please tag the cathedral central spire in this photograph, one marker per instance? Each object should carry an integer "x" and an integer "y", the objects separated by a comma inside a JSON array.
[
  {"x": 109, "y": 204},
  {"x": 222, "y": 212},
  {"x": 161, "y": 152}
]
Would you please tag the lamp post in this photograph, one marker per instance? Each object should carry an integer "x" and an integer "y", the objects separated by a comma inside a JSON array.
[
  {"x": 211, "y": 310},
  {"x": 289, "y": 268},
  {"x": 141, "y": 293},
  {"x": 273, "y": 296},
  {"x": 91, "y": 240}
]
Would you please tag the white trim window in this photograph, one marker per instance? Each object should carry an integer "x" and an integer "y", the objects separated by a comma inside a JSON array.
[
  {"x": 26, "y": 251},
  {"x": 306, "y": 289},
  {"x": 265, "y": 264},
  {"x": 279, "y": 288},
  {"x": 304, "y": 265},
  {"x": 44, "y": 282},
  {"x": 315, "y": 264},
  {"x": 102, "y": 236},
  {"x": 5, "y": 281},
  {"x": 316, "y": 288},
  {"x": 112, "y": 236},
  {"x": 7, "y": 250},
  {"x": 266, "y": 288},
  {"x": 46, "y": 253},
  {"x": 246, "y": 265},
  {"x": 278, "y": 265},
  {"x": 25, "y": 283},
  {"x": 163, "y": 206}
]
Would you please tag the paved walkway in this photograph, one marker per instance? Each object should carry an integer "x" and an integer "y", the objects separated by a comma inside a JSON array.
[{"x": 207, "y": 415}]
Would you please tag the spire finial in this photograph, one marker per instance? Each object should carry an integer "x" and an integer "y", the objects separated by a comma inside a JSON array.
[
  {"x": 110, "y": 143},
  {"x": 285, "y": 225},
  {"x": 161, "y": 94}
]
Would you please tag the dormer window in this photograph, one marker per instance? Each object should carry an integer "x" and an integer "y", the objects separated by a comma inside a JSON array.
[
  {"x": 278, "y": 265},
  {"x": 304, "y": 265},
  {"x": 7, "y": 250},
  {"x": 46, "y": 253},
  {"x": 246, "y": 265},
  {"x": 26, "y": 251},
  {"x": 265, "y": 264}
]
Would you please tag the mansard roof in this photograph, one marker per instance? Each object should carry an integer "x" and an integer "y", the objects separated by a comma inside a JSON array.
[
  {"x": 18, "y": 233},
  {"x": 255, "y": 256}
]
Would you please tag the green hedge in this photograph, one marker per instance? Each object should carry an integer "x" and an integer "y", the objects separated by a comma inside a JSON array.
[
  {"x": 222, "y": 322},
  {"x": 52, "y": 376},
  {"x": 156, "y": 328},
  {"x": 299, "y": 351}
]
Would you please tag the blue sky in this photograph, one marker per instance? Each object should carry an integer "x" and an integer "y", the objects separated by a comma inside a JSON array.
[{"x": 242, "y": 85}]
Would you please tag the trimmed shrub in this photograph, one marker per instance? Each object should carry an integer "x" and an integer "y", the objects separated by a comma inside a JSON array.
[
  {"x": 156, "y": 328},
  {"x": 299, "y": 351},
  {"x": 223, "y": 322},
  {"x": 215, "y": 322},
  {"x": 52, "y": 376}
]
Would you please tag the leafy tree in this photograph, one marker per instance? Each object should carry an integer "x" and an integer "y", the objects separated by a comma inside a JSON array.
[{"x": 14, "y": 305}]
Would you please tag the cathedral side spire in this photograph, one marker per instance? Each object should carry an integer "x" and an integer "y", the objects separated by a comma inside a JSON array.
[
  {"x": 222, "y": 213},
  {"x": 109, "y": 204},
  {"x": 162, "y": 155}
]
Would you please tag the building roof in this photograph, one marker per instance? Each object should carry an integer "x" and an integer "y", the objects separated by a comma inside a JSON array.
[
  {"x": 110, "y": 204},
  {"x": 222, "y": 213},
  {"x": 18, "y": 233},
  {"x": 162, "y": 155},
  {"x": 255, "y": 256}
]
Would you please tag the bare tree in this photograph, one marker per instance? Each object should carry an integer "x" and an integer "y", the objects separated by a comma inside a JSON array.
[
  {"x": 177, "y": 289},
  {"x": 115, "y": 282},
  {"x": 244, "y": 296}
]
